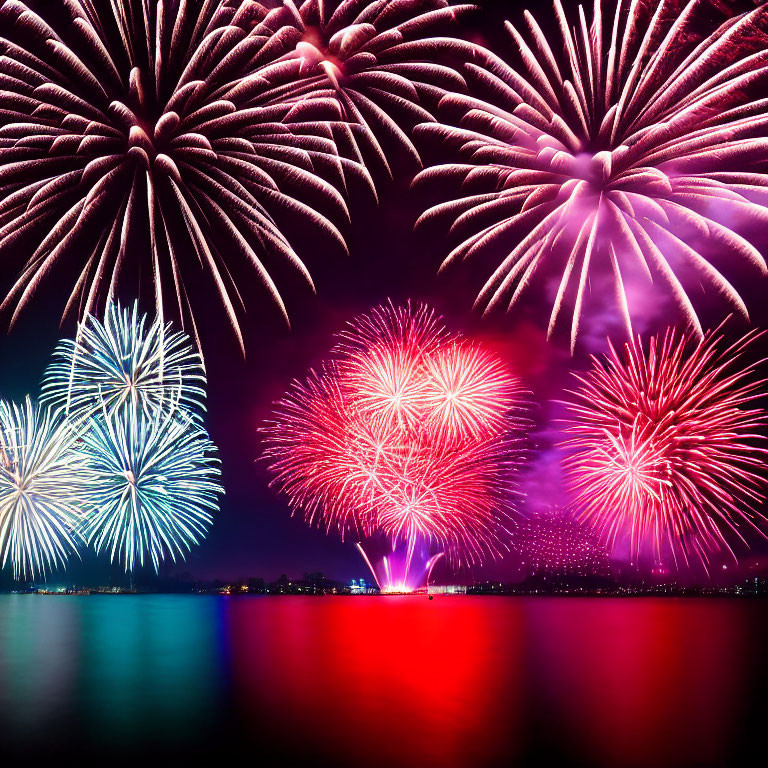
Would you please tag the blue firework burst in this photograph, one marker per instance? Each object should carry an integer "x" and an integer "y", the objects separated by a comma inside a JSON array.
[
  {"x": 125, "y": 359},
  {"x": 152, "y": 484}
]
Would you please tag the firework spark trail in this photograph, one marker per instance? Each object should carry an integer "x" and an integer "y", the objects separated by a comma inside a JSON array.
[
  {"x": 41, "y": 488},
  {"x": 385, "y": 438},
  {"x": 152, "y": 484},
  {"x": 638, "y": 153},
  {"x": 666, "y": 445},
  {"x": 124, "y": 359},
  {"x": 555, "y": 542}
]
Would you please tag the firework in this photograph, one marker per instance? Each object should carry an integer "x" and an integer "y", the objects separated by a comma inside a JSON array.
[
  {"x": 124, "y": 359},
  {"x": 382, "y": 356},
  {"x": 121, "y": 134},
  {"x": 557, "y": 543},
  {"x": 40, "y": 489},
  {"x": 632, "y": 151},
  {"x": 152, "y": 485},
  {"x": 403, "y": 569},
  {"x": 378, "y": 66},
  {"x": 387, "y": 439},
  {"x": 664, "y": 445}
]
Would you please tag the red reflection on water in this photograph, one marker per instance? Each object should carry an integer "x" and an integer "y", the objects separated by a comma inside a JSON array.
[
  {"x": 643, "y": 682},
  {"x": 483, "y": 681},
  {"x": 398, "y": 679}
]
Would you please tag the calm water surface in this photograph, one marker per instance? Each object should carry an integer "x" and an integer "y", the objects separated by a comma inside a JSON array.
[{"x": 396, "y": 681}]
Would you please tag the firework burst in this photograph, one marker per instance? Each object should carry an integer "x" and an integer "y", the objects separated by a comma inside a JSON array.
[
  {"x": 121, "y": 134},
  {"x": 555, "y": 542},
  {"x": 664, "y": 444},
  {"x": 388, "y": 438},
  {"x": 41, "y": 487},
  {"x": 124, "y": 359},
  {"x": 377, "y": 65},
  {"x": 152, "y": 485},
  {"x": 632, "y": 150}
]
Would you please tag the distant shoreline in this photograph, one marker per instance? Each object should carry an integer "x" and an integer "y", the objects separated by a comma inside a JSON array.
[{"x": 574, "y": 594}]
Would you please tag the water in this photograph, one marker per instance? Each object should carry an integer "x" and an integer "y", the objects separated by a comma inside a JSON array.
[{"x": 395, "y": 681}]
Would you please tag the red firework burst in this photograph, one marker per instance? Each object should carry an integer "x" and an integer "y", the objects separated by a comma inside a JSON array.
[
  {"x": 408, "y": 431},
  {"x": 665, "y": 444}
]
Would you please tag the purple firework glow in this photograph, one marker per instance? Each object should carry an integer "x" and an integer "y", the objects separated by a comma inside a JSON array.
[{"x": 634, "y": 147}]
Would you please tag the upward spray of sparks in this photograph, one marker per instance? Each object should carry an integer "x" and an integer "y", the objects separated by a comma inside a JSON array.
[{"x": 407, "y": 431}]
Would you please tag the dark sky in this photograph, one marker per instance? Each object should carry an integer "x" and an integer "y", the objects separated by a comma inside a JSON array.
[{"x": 254, "y": 533}]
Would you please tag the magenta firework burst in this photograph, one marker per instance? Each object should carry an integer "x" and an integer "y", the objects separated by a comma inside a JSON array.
[
  {"x": 408, "y": 431},
  {"x": 665, "y": 445},
  {"x": 630, "y": 150}
]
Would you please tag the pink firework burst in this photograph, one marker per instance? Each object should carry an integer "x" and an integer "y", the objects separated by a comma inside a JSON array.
[
  {"x": 381, "y": 65},
  {"x": 630, "y": 151},
  {"x": 666, "y": 445},
  {"x": 408, "y": 431}
]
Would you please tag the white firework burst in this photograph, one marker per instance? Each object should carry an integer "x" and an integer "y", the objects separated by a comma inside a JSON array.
[
  {"x": 41, "y": 489},
  {"x": 122, "y": 141},
  {"x": 125, "y": 359}
]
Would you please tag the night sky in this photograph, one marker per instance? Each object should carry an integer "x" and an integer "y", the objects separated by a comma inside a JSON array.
[{"x": 254, "y": 534}]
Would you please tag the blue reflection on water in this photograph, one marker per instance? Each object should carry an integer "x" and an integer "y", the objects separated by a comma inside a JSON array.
[{"x": 121, "y": 668}]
